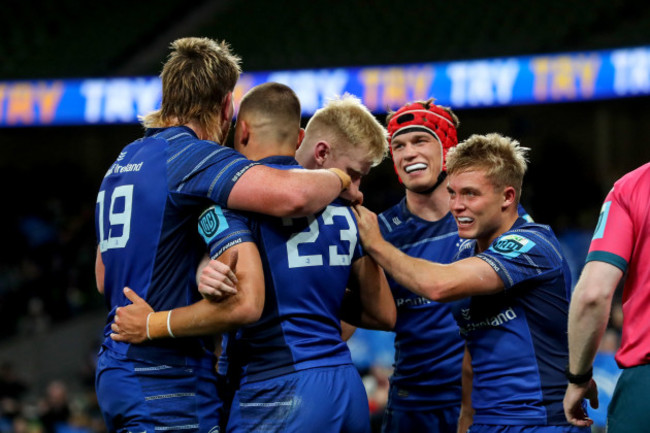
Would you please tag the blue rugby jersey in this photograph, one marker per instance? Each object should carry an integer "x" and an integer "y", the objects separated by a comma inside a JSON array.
[
  {"x": 306, "y": 269},
  {"x": 428, "y": 347},
  {"x": 518, "y": 337},
  {"x": 145, "y": 221}
]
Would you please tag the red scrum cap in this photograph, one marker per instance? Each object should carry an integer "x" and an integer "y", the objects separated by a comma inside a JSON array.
[{"x": 427, "y": 117}]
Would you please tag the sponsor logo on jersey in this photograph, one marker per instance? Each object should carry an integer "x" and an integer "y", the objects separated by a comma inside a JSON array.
[
  {"x": 212, "y": 222},
  {"x": 504, "y": 316},
  {"x": 411, "y": 302},
  {"x": 237, "y": 175},
  {"x": 512, "y": 245}
]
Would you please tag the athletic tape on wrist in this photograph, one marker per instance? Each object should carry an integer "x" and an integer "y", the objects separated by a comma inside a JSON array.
[
  {"x": 169, "y": 328},
  {"x": 148, "y": 335},
  {"x": 343, "y": 176}
]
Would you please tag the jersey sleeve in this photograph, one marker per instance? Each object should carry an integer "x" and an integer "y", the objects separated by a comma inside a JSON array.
[
  {"x": 523, "y": 256},
  {"x": 206, "y": 170},
  {"x": 222, "y": 229},
  {"x": 613, "y": 238}
]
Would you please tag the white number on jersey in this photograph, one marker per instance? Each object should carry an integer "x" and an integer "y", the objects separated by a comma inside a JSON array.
[
  {"x": 311, "y": 236},
  {"x": 115, "y": 219}
]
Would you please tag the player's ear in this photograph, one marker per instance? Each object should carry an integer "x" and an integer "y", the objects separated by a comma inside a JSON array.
[
  {"x": 321, "y": 153},
  {"x": 301, "y": 136},
  {"x": 245, "y": 132},
  {"x": 227, "y": 108},
  {"x": 509, "y": 197}
]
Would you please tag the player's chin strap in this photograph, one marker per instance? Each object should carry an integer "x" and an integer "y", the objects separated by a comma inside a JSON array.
[{"x": 441, "y": 177}]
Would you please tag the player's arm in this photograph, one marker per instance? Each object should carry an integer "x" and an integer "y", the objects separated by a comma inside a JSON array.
[
  {"x": 285, "y": 193},
  {"x": 347, "y": 329},
  {"x": 466, "y": 417},
  {"x": 203, "y": 317},
  {"x": 100, "y": 270},
  {"x": 435, "y": 281},
  {"x": 588, "y": 316},
  {"x": 369, "y": 303}
]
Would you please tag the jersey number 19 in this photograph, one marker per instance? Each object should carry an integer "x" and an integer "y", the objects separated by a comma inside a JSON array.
[{"x": 119, "y": 215}]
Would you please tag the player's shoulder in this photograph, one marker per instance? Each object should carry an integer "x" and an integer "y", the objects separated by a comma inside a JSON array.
[
  {"x": 183, "y": 141},
  {"x": 527, "y": 238},
  {"x": 631, "y": 181},
  {"x": 532, "y": 229},
  {"x": 393, "y": 218},
  {"x": 172, "y": 134}
]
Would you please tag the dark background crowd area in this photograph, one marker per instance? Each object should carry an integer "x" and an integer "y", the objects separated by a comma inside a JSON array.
[{"x": 50, "y": 175}]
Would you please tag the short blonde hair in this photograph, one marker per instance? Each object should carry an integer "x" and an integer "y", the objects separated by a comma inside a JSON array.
[
  {"x": 349, "y": 124},
  {"x": 502, "y": 158},
  {"x": 196, "y": 78}
]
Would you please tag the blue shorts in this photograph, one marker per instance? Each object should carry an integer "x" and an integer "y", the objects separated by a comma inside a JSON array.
[
  {"x": 323, "y": 399},
  {"x": 443, "y": 420},
  {"x": 136, "y": 396},
  {"x": 485, "y": 428}
]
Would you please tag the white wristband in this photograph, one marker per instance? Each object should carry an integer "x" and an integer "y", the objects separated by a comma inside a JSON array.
[
  {"x": 169, "y": 328},
  {"x": 148, "y": 335}
]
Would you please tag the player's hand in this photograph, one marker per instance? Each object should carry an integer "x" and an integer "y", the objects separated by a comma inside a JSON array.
[
  {"x": 573, "y": 398},
  {"x": 353, "y": 194},
  {"x": 130, "y": 322},
  {"x": 368, "y": 225},
  {"x": 218, "y": 279}
]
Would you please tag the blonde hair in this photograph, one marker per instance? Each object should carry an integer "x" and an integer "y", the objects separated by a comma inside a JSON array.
[
  {"x": 502, "y": 158},
  {"x": 196, "y": 78},
  {"x": 349, "y": 124}
]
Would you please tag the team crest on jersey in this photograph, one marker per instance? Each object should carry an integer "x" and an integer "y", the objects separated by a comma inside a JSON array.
[
  {"x": 212, "y": 222},
  {"x": 512, "y": 245}
]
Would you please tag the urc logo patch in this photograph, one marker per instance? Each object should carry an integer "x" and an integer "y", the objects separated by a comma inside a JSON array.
[
  {"x": 512, "y": 245},
  {"x": 212, "y": 222}
]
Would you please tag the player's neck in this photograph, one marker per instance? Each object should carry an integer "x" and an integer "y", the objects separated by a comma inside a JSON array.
[
  {"x": 508, "y": 221},
  {"x": 257, "y": 149},
  {"x": 202, "y": 134},
  {"x": 256, "y": 156},
  {"x": 431, "y": 206}
]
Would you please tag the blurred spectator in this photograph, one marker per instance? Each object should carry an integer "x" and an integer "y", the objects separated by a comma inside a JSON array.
[
  {"x": 36, "y": 321},
  {"x": 22, "y": 424},
  {"x": 54, "y": 408},
  {"x": 377, "y": 383},
  {"x": 12, "y": 389},
  {"x": 373, "y": 353},
  {"x": 11, "y": 386}
]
